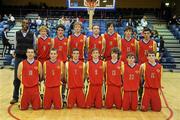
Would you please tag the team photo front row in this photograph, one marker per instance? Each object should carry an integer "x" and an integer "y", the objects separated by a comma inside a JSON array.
[{"x": 95, "y": 83}]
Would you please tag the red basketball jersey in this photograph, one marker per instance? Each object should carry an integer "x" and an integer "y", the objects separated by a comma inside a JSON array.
[
  {"x": 113, "y": 73},
  {"x": 30, "y": 73},
  {"x": 62, "y": 47},
  {"x": 131, "y": 77},
  {"x": 77, "y": 42},
  {"x": 144, "y": 48},
  {"x": 94, "y": 43},
  {"x": 110, "y": 41},
  {"x": 44, "y": 47},
  {"x": 152, "y": 75},
  {"x": 52, "y": 73},
  {"x": 126, "y": 47},
  {"x": 75, "y": 74},
  {"x": 95, "y": 72}
]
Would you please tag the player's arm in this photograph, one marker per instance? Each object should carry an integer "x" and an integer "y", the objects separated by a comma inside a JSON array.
[
  {"x": 103, "y": 45},
  {"x": 87, "y": 71},
  {"x": 137, "y": 49},
  {"x": 119, "y": 41},
  {"x": 104, "y": 70},
  {"x": 66, "y": 71},
  {"x": 52, "y": 43},
  {"x": 36, "y": 44},
  {"x": 40, "y": 70},
  {"x": 44, "y": 70},
  {"x": 68, "y": 46},
  {"x": 19, "y": 72},
  {"x": 85, "y": 45},
  {"x": 84, "y": 71},
  {"x": 62, "y": 70},
  {"x": 142, "y": 72},
  {"x": 122, "y": 70},
  {"x": 155, "y": 49}
]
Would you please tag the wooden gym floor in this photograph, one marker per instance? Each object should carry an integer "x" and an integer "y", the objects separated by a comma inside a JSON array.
[{"x": 171, "y": 84}]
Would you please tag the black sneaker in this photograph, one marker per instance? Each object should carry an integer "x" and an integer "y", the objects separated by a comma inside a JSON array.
[{"x": 13, "y": 101}]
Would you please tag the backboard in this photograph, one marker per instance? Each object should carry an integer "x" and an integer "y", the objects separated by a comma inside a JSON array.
[{"x": 100, "y": 4}]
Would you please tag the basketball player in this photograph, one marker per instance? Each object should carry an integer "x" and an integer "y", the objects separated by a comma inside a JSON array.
[
  {"x": 61, "y": 43},
  {"x": 113, "y": 80},
  {"x": 53, "y": 73},
  {"x": 77, "y": 40},
  {"x": 112, "y": 39},
  {"x": 95, "y": 41},
  {"x": 44, "y": 44},
  {"x": 30, "y": 73},
  {"x": 95, "y": 74},
  {"x": 145, "y": 45},
  {"x": 75, "y": 74},
  {"x": 151, "y": 71},
  {"x": 128, "y": 44},
  {"x": 131, "y": 82}
]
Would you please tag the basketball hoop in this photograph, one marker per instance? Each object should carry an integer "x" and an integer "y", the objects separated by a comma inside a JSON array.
[{"x": 91, "y": 5}]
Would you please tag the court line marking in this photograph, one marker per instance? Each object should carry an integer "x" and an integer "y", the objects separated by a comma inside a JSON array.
[
  {"x": 167, "y": 105},
  {"x": 11, "y": 114}
]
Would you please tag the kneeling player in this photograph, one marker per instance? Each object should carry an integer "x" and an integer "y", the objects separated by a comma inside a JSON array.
[
  {"x": 75, "y": 70},
  {"x": 113, "y": 80},
  {"x": 151, "y": 72},
  {"x": 131, "y": 81},
  {"x": 95, "y": 73},
  {"x": 29, "y": 71},
  {"x": 53, "y": 74}
]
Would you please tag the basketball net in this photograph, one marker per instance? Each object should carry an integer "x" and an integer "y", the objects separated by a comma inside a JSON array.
[{"x": 91, "y": 8}]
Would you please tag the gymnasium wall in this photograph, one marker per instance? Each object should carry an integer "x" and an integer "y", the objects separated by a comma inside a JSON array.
[{"x": 62, "y": 3}]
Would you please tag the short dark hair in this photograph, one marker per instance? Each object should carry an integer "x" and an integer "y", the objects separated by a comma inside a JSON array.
[
  {"x": 130, "y": 54},
  {"x": 146, "y": 29},
  {"x": 53, "y": 49},
  {"x": 94, "y": 49},
  {"x": 30, "y": 48},
  {"x": 116, "y": 51},
  {"x": 109, "y": 24},
  {"x": 128, "y": 28},
  {"x": 151, "y": 52},
  {"x": 60, "y": 26}
]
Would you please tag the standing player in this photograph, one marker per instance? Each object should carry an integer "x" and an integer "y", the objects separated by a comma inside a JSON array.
[
  {"x": 112, "y": 39},
  {"x": 61, "y": 43},
  {"x": 30, "y": 72},
  {"x": 75, "y": 74},
  {"x": 151, "y": 71},
  {"x": 95, "y": 73},
  {"x": 77, "y": 40},
  {"x": 44, "y": 44},
  {"x": 113, "y": 80},
  {"x": 128, "y": 44},
  {"x": 131, "y": 81},
  {"x": 95, "y": 41},
  {"x": 53, "y": 74},
  {"x": 145, "y": 45}
]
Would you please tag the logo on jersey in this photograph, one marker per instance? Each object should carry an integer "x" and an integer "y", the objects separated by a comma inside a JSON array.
[
  {"x": 35, "y": 67},
  {"x": 136, "y": 71},
  {"x": 49, "y": 43},
  {"x": 132, "y": 44},
  {"x": 99, "y": 42},
  {"x": 158, "y": 70},
  {"x": 65, "y": 43},
  {"x": 150, "y": 46},
  {"x": 81, "y": 40}
]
